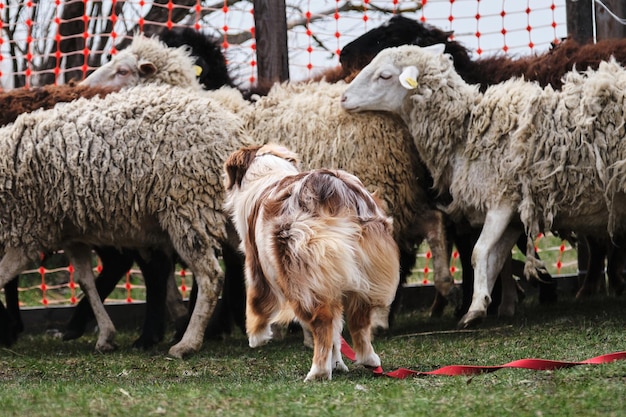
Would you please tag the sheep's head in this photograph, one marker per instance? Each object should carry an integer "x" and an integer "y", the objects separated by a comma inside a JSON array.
[
  {"x": 392, "y": 75},
  {"x": 124, "y": 70},
  {"x": 146, "y": 60}
]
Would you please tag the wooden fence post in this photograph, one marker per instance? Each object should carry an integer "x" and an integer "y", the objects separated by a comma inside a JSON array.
[
  {"x": 607, "y": 26},
  {"x": 580, "y": 20},
  {"x": 271, "y": 41}
]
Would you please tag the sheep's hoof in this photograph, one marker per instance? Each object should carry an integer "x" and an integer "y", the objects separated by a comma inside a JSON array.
[
  {"x": 506, "y": 311},
  {"x": 180, "y": 352},
  {"x": 146, "y": 342},
  {"x": 104, "y": 347},
  {"x": 471, "y": 319}
]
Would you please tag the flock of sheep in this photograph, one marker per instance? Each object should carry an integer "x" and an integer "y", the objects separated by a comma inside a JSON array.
[{"x": 452, "y": 157}]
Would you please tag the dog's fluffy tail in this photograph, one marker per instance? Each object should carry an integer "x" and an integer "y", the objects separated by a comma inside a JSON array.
[{"x": 320, "y": 256}]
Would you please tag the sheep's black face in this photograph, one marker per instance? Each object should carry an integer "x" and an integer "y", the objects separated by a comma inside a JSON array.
[{"x": 399, "y": 30}]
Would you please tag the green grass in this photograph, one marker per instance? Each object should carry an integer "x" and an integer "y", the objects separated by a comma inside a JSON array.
[{"x": 42, "y": 376}]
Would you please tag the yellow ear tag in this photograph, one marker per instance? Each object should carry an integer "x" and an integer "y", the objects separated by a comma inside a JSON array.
[
  {"x": 412, "y": 82},
  {"x": 408, "y": 78},
  {"x": 198, "y": 70}
]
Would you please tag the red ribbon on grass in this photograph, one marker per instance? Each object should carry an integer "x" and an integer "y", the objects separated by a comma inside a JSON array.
[{"x": 455, "y": 370}]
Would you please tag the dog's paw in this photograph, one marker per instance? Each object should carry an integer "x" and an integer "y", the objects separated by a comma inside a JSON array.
[
  {"x": 371, "y": 361},
  {"x": 340, "y": 366},
  {"x": 318, "y": 374},
  {"x": 260, "y": 339}
]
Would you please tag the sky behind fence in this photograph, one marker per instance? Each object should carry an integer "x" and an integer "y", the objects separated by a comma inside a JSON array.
[{"x": 318, "y": 29}]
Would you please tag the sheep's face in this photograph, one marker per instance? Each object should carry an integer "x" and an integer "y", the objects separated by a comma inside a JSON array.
[
  {"x": 387, "y": 80},
  {"x": 124, "y": 70},
  {"x": 377, "y": 87}
]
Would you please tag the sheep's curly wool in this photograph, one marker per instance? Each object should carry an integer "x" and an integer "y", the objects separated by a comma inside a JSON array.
[
  {"x": 555, "y": 155},
  {"x": 376, "y": 147},
  {"x": 132, "y": 169},
  {"x": 24, "y": 100},
  {"x": 574, "y": 151}
]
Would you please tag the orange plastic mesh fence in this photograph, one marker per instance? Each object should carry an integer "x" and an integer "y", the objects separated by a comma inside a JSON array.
[
  {"x": 33, "y": 50},
  {"x": 55, "y": 285}
]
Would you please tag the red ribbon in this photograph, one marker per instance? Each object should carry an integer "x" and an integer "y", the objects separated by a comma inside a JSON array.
[{"x": 455, "y": 370}]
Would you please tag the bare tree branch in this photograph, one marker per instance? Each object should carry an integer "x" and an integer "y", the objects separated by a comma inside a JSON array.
[
  {"x": 348, "y": 6},
  {"x": 101, "y": 25}
]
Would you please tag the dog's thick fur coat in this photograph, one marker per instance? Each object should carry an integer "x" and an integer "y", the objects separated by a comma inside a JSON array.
[{"x": 316, "y": 243}]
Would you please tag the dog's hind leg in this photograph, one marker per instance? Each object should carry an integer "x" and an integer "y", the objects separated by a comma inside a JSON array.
[
  {"x": 261, "y": 306},
  {"x": 322, "y": 325},
  {"x": 337, "y": 359},
  {"x": 359, "y": 316}
]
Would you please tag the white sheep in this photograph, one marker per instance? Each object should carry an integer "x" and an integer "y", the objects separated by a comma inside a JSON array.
[
  {"x": 138, "y": 169},
  {"x": 307, "y": 117},
  {"x": 518, "y": 156}
]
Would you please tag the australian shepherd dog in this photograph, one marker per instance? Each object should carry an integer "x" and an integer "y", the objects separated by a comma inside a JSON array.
[{"x": 316, "y": 244}]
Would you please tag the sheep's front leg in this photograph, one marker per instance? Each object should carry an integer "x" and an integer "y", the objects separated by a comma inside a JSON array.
[
  {"x": 209, "y": 277},
  {"x": 490, "y": 252},
  {"x": 435, "y": 232},
  {"x": 80, "y": 257}
]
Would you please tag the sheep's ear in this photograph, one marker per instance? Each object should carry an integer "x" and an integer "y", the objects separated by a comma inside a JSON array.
[
  {"x": 436, "y": 49},
  {"x": 147, "y": 68},
  {"x": 408, "y": 78}
]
